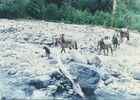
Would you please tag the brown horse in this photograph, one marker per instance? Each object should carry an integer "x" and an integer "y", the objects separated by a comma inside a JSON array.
[
  {"x": 104, "y": 46},
  {"x": 123, "y": 33},
  {"x": 66, "y": 44}
]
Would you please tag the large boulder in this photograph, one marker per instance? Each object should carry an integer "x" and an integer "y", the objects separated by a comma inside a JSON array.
[{"x": 87, "y": 76}]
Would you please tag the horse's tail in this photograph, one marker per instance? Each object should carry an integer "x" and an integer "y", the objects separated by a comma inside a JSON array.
[
  {"x": 98, "y": 43},
  {"x": 128, "y": 36},
  {"x": 76, "y": 45}
]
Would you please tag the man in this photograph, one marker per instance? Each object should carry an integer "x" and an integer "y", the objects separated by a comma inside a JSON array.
[
  {"x": 62, "y": 38},
  {"x": 47, "y": 50}
]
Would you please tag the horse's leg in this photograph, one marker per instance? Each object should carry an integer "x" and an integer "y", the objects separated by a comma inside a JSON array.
[
  {"x": 128, "y": 38},
  {"x": 107, "y": 51},
  {"x": 99, "y": 51},
  {"x": 116, "y": 46},
  {"x": 104, "y": 52},
  {"x": 76, "y": 45},
  {"x": 122, "y": 39},
  {"x": 63, "y": 49},
  {"x": 111, "y": 49}
]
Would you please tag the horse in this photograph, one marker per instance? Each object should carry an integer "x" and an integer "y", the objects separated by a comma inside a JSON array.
[
  {"x": 116, "y": 40},
  {"x": 66, "y": 43},
  {"x": 105, "y": 43},
  {"x": 123, "y": 33}
]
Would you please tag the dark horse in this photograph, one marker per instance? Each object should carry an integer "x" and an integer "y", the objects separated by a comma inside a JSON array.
[
  {"x": 104, "y": 46},
  {"x": 64, "y": 43},
  {"x": 123, "y": 33},
  {"x": 116, "y": 40}
]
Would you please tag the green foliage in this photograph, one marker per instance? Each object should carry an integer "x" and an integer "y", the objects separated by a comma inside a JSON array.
[
  {"x": 97, "y": 12},
  {"x": 51, "y": 12},
  {"x": 102, "y": 18},
  {"x": 35, "y": 9}
]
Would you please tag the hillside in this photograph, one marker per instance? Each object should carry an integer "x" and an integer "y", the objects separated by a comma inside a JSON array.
[{"x": 22, "y": 57}]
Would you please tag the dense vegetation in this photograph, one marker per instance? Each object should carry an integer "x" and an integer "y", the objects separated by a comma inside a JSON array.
[{"x": 97, "y": 12}]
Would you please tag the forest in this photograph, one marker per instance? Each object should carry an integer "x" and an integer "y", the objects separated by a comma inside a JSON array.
[{"x": 107, "y": 13}]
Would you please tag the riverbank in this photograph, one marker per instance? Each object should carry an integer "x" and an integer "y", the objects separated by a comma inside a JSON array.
[{"x": 23, "y": 59}]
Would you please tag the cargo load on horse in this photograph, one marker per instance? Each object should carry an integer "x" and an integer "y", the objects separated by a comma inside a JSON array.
[
  {"x": 66, "y": 42},
  {"x": 105, "y": 43}
]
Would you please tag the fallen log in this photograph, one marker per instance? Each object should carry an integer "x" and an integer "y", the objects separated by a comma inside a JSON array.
[
  {"x": 49, "y": 44},
  {"x": 64, "y": 70}
]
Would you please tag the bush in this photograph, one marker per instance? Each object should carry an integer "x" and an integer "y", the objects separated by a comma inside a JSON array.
[
  {"x": 137, "y": 26},
  {"x": 35, "y": 9},
  {"x": 102, "y": 18},
  {"x": 51, "y": 12}
]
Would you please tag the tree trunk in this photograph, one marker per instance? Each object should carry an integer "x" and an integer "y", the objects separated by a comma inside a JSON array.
[
  {"x": 64, "y": 70},
  {"x": 114, "y": 6},
  {"x": 69, "y": 3}
]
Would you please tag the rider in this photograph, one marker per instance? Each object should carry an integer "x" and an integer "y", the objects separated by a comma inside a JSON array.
[{"x": 62, "y": 38}]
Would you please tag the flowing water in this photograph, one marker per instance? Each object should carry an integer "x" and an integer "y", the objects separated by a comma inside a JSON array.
[
  {"x": 9, "y": 84},
  {"x": 7, "y": 87}
]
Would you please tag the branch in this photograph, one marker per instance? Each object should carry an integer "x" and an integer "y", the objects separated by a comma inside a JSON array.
[{"x": 64, "y": 70}]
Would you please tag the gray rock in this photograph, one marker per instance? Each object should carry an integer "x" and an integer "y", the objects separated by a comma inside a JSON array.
[
  {"x": 136, "y": 75},
  {"x": 27, "y": 36},
  {"x": 96, "y": 61},
  {"x": 108, "y": 81},
  {"x": 41, "y": 39},
  {"x": 18, "y": 94},
  {"x": 71, "y": 91},
  {"x": 105, "y": 76},
  {"x": 115, "y": 74},
  {"x": 52, "y": 88},
  {"x": 40, "y": 82},
  {"x": 78, "y": 57},
  {"x": 87, "y": 76}
]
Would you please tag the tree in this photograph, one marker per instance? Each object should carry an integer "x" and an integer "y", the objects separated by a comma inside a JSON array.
[{"x": 114, "y": 7}]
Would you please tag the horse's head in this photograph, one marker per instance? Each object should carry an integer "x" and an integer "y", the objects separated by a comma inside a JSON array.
[{"x": 118, "y": 30}]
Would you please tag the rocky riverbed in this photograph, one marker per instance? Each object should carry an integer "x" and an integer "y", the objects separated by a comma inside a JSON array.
[{"x": 26, "y": 73}]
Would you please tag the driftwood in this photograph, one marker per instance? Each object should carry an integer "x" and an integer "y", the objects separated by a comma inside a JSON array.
[
  {"x": 49, "y": 44},
  {"x": 64, "y": 70}
]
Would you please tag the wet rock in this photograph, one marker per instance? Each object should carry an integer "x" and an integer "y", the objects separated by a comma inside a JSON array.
[
  {"x": 18, "y": 94},
  {"x": 3, "y": 98},
  {"x": 38, "y": 94},
  {"x": 56, "y": 75},
  {"x": 28, "y": 91},
  {"x": 87, "y": 76},
  {"x": 40, "y": 82}
]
